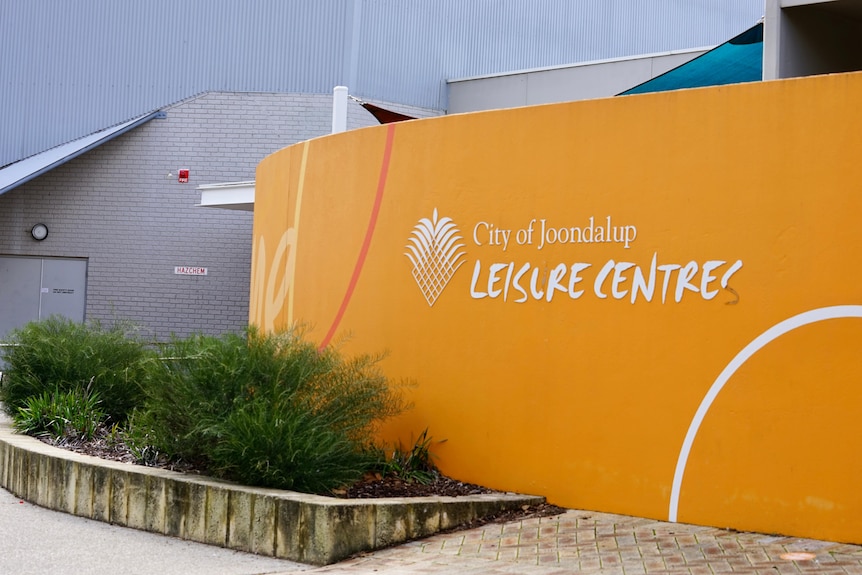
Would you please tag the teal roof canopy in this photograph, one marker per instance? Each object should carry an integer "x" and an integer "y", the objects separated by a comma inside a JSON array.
[{"x": 737, "y": 60}]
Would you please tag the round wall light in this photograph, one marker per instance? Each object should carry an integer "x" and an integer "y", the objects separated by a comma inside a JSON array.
[{"x": 39, "y": 232}]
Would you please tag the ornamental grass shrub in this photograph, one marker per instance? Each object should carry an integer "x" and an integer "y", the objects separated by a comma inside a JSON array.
[
  {"x": 413, "y": 464},
  {"x": 265, "y": 409},
  {"x": 74, "y": 415},
  {"x": 262, "y": 409},
  {"x": 49, "y": 358}
]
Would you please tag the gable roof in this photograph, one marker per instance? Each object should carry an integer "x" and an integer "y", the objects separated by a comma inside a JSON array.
[{"x": 23, "y": 171}]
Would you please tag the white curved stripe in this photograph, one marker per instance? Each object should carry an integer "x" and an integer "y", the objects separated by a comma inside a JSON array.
[{"x": 776, "y": 331}]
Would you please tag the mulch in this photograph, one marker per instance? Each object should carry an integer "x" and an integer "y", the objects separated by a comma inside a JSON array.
[{"x": 370, "y": 487}]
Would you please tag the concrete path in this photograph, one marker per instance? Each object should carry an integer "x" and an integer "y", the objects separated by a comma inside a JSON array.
[{"x": 37, "y": 541}]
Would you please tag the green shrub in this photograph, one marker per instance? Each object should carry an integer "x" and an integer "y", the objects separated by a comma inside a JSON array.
[
  {"x": 267, "y": 410},
  {"x": 277, "y": 445},
  {"x": 60, "y": 415},
  {"x": 60, "y": 355},
  {"x": 414, "y": 464}
]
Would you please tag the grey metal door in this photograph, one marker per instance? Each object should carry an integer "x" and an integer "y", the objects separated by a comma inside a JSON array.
[
  {"x": 63, "y": 288},
  {"x": 36, "y": 288},
  {"x": 20, "y": 279}
]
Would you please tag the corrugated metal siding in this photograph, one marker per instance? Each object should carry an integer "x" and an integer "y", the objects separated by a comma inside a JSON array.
[
  {"x": 403, "y": 40},
  {"x": 70, "y": 68}
]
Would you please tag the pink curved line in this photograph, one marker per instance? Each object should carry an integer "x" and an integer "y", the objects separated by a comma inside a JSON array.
[{"x": 369, "y": 232}]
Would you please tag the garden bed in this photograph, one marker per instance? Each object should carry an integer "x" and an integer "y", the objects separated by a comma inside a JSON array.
[{"x": 300, "y": 527}]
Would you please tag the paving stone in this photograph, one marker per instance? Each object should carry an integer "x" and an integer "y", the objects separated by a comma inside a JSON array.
[{"x": 604, "y": 544}]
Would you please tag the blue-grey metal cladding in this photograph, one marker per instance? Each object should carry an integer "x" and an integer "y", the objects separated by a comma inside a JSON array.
[
  {"x": 69, "y": 68},
  {"x": 463, "y": 39},
  {"x": 73, "y": 67}
]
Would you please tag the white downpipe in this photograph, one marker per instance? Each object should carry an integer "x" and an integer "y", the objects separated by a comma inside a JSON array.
[{"x": 339, "y": 109}]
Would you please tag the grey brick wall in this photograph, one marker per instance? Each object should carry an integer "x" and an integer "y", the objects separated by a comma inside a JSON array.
[{"x": 117, "y": 207}]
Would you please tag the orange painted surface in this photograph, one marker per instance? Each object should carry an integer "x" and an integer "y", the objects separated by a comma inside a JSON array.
[{"x": 746, "y": 198}]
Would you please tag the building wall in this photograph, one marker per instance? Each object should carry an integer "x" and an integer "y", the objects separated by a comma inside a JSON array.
[
  {"x": 560, "y": 84},
  {"x": 808, "y": 37},
  {"x": 71, "y": 68},
  {"x": 644, "y": 305},
  {"x": 121, "y": 207}
]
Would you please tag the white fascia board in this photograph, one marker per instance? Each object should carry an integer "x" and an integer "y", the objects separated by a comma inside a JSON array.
[
  {"x": 229, "y": 196},
  {"x": 23, "y": 171},
  {"x": 582, "y": 64},
  {"x": 794, "y": 3}
]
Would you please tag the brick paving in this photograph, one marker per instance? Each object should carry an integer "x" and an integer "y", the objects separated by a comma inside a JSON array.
[{"x": 589, "y": 542}]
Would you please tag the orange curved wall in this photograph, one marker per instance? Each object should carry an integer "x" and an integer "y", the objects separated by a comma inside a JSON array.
[{"x": 639, "y": 312}]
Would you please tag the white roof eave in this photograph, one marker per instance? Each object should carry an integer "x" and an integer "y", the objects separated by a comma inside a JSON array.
[{"x": 228, "y": 196}]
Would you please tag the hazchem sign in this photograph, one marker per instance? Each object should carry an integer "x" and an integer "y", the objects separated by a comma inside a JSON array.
[{"x": 189, "y": 271}]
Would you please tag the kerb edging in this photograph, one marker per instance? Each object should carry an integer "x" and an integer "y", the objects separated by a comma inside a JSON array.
[{"x": 296, "y": 526}]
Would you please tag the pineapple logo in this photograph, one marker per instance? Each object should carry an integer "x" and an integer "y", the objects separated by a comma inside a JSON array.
[{"x": 435, "y": 254}]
